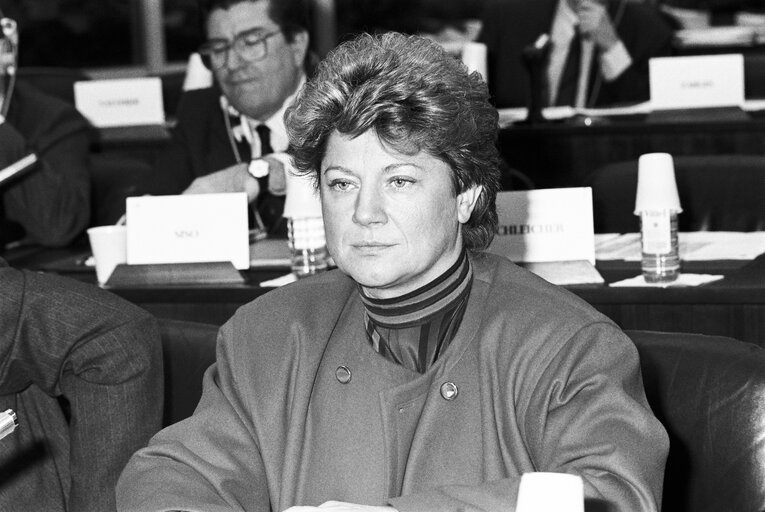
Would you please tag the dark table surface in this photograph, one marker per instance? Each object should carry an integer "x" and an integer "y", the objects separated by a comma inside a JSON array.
[
  {"x": 733, "y": 306},
  {"x": 566, "y": 153}
]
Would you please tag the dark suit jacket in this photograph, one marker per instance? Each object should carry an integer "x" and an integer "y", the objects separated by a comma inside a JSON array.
[
  {"x": 511, "y": 25},
  {"x": 201, "y": 145},
  {"x": 51, "y": 203},
  {"x": 62, "y": 339}
]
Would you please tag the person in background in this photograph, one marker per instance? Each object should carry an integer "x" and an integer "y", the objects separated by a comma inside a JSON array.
[
  {"x": 48, "y": 203},
  {"x": 231, "y": 137},
  {"x": 82, "y": 369},
  {"x": 423, "y": 374},
  {"x": 614, "y": 39}
]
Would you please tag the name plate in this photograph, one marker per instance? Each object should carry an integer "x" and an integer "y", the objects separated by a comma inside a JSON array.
[
  {"x": 700, "y": 81},
  {"x": 188, "y": 229},
  {"x": 120, "y": 102},
  {"x": 545, "y": 225}
]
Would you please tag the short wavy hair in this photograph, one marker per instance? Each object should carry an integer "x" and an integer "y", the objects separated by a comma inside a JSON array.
[
  {"x": 292, "y": 16},
  {"x": 417, "y": 98}
]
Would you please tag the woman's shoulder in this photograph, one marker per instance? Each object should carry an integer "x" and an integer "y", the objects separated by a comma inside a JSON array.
[
  {"x": 521, "y": 293},
  {"x": 306, "y": 299}
]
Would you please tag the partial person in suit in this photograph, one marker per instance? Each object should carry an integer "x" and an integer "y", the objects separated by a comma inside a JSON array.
[
  {"x": 613, "y": 38},
  {"x": 423, "y": 374},
  {"x": 82, "y": 369},
  {"x": 49, "y": 204},
  {"x": 231, "y": 137}
]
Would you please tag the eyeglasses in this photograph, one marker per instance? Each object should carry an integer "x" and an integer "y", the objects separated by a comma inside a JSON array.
[{"x": 250, "y": 45}]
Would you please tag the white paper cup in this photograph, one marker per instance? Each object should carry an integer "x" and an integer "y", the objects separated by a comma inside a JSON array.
[
  {"x": 550, "y": 492},
  {"x": 656, "y": 185},
  {"x": 474, "y": 57},
  {"x": 303, "y": 199},
  {"x": 109, "y": 246}
]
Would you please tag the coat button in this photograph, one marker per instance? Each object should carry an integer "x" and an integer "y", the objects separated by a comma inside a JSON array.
[
  {"x": 343, "y": 374},
  {"x": 449, "y": 390}
]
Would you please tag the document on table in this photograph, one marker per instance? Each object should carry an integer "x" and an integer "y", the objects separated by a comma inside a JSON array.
[
  {"x": 682, "y": 280},
  {"x": 512, "y": 115},
  {"x": 694, "y": 246}
]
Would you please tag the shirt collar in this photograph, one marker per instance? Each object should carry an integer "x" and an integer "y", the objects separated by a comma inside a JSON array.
[{"x": 279, "y": 139}]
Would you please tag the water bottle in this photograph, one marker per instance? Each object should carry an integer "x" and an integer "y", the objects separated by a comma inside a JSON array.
[
  {"x": 658, "y": 205},
  {"x": 660, "y": 257},
  {"x": 308, "y": 246}
]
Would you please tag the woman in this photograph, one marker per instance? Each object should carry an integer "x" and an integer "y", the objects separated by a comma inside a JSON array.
[{"x": 423, "y": 374}]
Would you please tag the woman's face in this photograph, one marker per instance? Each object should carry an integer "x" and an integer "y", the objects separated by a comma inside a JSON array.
[{"x": 393, "y": 221}]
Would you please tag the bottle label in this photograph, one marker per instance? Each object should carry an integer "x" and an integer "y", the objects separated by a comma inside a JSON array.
[{"x": 657, "y": 232}]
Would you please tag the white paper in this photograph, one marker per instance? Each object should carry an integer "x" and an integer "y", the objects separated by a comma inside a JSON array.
[
  {"x": 545, "y": 225},
  {"x": 509, "y": 116},
  {"x": 279, "y": 281},
  {"x": 682, "y": 280},
  {"x": 696, "y": 81},
  {"x": 694, "y": 246},
  {"x": 188, "y": 228},
  {"x": 121, "y": 102}
]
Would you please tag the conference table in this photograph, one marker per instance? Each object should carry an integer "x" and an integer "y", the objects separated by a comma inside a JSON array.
[
  {"x": 733, "y": 306},
  {"x": 565, "y": 152},
  {"x": 561, "y": 153}
]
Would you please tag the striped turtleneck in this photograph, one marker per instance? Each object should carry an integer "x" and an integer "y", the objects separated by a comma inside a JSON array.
[{"x": 415, "y": 329}]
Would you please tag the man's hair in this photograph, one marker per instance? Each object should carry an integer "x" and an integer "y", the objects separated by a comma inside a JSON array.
[
  {"x": 416, "y": 97},
  {"x": 292, "y": 16}
]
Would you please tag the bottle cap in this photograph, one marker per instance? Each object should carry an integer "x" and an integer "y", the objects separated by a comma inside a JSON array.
[{"x": 656, "y": 185}]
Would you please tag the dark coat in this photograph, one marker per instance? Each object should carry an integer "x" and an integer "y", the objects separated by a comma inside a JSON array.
[
  {"x": 50, "y": 204},
  {"x": 544, "y": 383},
  {"x": 67, "y": 342}
]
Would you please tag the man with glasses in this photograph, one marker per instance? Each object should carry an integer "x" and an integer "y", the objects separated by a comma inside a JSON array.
[{"x": 231, "y": 137}]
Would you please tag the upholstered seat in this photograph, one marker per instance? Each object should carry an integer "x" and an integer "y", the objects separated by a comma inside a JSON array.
[
  {"x": 717, "y": 193},
  {"x": 188, "y": 349},
  {"x": 709, "y": 392}
]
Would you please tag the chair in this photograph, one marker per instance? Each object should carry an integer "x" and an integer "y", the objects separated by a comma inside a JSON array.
[
  {"x": 709, "y": 393},
  {"x": 188, "y": 349},
  {"x": 717, "y": 193},
  {"x": 57, "y": 82}
]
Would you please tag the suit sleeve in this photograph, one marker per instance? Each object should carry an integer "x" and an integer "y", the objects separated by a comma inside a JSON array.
[
  {"x": 52, "y": 202},
  {"x": 645, "y": 34},
  {"x": 587, "y": 415},
  {"x": 209, "y": 462},
  {"x": 101, "y": 354},
  {"x": 173, "y": 167}
]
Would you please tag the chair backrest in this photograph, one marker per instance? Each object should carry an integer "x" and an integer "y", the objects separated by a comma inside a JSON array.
[
  {"x": 188, "y": 349},
  {"x": 709, "y": 393},
  {"x": 717, "y": 193},
  {"x": 57, "y": 82}
]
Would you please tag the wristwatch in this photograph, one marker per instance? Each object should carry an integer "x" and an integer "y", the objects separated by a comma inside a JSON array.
[{"x": 258, "y": 168}]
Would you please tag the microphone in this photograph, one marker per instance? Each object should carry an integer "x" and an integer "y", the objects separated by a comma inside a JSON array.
[
  {"x": 8, "y": 422},
  {"x": 9, "y": 53},
  {"x": 9, "y": 47},
  {"x": 535, "y": 58}
]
